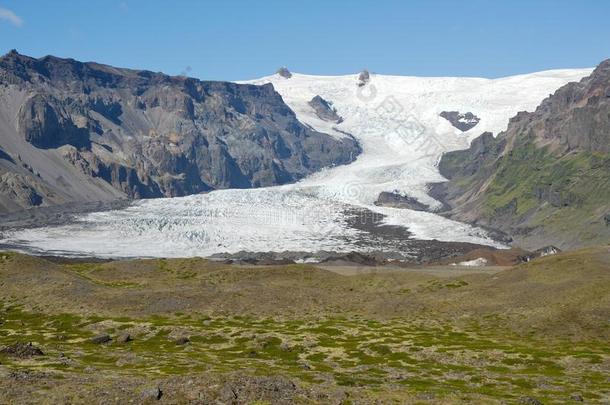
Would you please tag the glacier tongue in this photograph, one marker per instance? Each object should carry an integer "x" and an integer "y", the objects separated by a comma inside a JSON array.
[{"x": 395, "y": 119}]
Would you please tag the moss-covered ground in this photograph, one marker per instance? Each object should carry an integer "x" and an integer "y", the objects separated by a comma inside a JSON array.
[
  {"x": 538, "y": 330},
  {"x": 415, "y": 355}
]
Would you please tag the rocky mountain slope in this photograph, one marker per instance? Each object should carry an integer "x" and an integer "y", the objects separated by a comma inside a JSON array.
[
  {"x": 546, "y": 180},
  {"x": 72, "y": 131}
]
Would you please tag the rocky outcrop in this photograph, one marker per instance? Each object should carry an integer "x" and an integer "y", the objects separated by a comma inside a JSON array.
[
  {"x": 473, "y": 160},
  {"x": 133, "y": 182},
  {"x": 463, "y": 122},
  {"x": 542, "y": 252},
  {"x": 21, "y": 350},
  {"x": 45, "y": 124},
  {"x": 22, "y": 190},
  {"x": 284, "y": 72},
  {"x": 101, "y": 339},
  {"x": 363, "y": 78},
  {"x": 544, "y": 180},
  {"x": 5, "y": 156},
  {"x": 324, "y": 110},
  {"x": 396, "y": 200},
  {"x": 97, "y": 132}
]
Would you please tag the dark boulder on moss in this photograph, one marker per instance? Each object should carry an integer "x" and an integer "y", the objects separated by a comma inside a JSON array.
[
  {"x": 181, "y": 341},
  {"x": 21, "y": 350},
  {"x": 101, "y": 339}
]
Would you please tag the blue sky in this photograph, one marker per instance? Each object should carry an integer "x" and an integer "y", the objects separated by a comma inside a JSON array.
[{"x": 233, "y": 39}]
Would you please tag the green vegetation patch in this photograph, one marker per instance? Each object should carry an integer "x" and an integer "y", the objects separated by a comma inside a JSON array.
[
  {"x": 569, "y": 188},
  {"x": 435, "y": 358}
]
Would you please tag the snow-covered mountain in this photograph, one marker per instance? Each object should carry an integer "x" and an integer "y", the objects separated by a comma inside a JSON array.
[
  {"x": 397, "y": 121},
  {"x": 398, "y": 124}
]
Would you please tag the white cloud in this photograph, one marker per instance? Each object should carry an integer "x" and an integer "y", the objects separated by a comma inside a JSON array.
[{"x": 8, "y": 15}]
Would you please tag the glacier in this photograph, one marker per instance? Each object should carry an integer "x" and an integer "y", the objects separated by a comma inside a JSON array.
[{"x": 397, "y": 123}]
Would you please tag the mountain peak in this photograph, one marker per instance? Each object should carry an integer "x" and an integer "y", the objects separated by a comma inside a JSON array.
[
  {"x": 363, "y": 78},
  {"x": 284, "y": 72},
  {"x": 13, "y": 54}
]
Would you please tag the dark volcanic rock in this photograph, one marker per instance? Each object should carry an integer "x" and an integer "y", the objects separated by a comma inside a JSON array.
[
  {"x": 396, "y": 200},
  {"x": 87, "y": 126},
  {"x": 463, "y": 122},
  {"x": 6, "y": 156},
  {"x": 21, "y": 350},
  {"x": 363, "y": 78},
  {"x": 472, "y": 160},
  {"x": 284, "y": 72},
  {"x": 21, "y": 189},
  {"x": 324, "y": 110},
  {"x": 100, "y": 339},
  {"x": 355, "y": 258},
  {"x": 43, "y": 122}
]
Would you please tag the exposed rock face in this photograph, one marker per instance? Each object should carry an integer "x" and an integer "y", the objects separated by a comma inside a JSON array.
[
  {"x": 324, "y": 110},
  {"x": 481, "y": 150},
  {"x": 6, "y": 156},
  {"x": 363, "y": 78},
  {"x": 126, "y": 179},
  {"x": 284, "y": 72},
  {"x": 396, "y": 200},
  {"x": 463, "y": 122},
  {"x": 20, "y": 188},
  {"x": 96, "y": 132},
  {"x": 546, "y": 179},
  {"x": 45, "y": 124}
]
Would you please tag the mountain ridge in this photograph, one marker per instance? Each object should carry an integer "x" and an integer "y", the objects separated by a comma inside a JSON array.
[
  {"x": 546, "y": 179},
  {"x": 87, "y": 132}
]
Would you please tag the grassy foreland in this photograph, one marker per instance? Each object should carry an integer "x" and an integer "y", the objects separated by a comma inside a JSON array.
[{"x": 203, "y": 332}]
